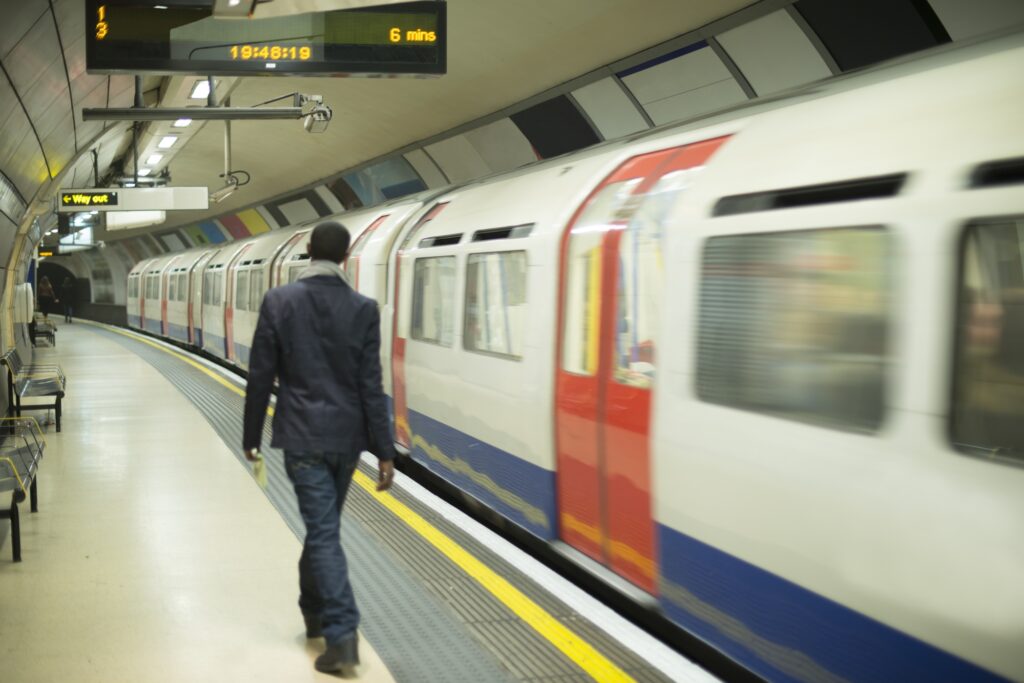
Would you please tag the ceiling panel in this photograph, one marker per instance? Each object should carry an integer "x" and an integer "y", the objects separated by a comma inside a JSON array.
[
  {"x": 59, "y": 144},
  {"x": 26, "y": 167},
  {"x": 18, "y": 19},
  {"x": 8, "y": 106},
  {"x": 17, "y": 145}
]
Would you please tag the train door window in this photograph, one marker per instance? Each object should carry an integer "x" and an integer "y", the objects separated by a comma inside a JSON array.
[
  {"x": 795, "y": 324},
  {"x": 433, "y": 298},
  {"x": 640, "y": 282},
  {"x": 172, "y": 287},
  {"x": 182, "y": 286},
  {"x": 242, "y": 290},
  {"x": 218, "y": 289},
  {"x": 988, "y": 386},
  {"x": 583, "y": 278},
  {"x": 294, "y": 272},
  {"x": 255, "y": 290},
  {"x": 495, "y": 318}
]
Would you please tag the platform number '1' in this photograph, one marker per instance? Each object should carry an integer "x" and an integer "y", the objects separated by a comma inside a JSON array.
[{"x": 102, "y": 29}]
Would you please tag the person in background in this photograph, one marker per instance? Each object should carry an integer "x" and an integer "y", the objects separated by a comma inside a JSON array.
[
  {"x": 321, "y": 340},
  {"x": 45, "y": 296},
  {"x": 67, "y": 295}
]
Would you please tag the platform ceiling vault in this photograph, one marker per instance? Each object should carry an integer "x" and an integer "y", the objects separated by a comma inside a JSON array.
[{"x": 499, "y": 53}]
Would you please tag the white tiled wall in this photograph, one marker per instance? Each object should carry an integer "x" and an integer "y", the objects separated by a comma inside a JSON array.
[
  {"x": 692, "y": 84},
  {"x": 774, "y": 53},
  {"x": 501, "y": 145},
  {"x": 610, "y": 109}
]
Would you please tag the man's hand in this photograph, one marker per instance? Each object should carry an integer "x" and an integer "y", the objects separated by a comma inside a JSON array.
[
  {"x": 386, "y": 473},
  {"x": 251, "y": 454}
]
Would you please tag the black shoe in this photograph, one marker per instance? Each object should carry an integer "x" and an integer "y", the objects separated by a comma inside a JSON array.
[
  {"x": 314, "y": 628},
  {"x": 342, "y": 657}
]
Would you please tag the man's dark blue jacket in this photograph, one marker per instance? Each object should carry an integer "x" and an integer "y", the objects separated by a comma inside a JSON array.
[{"x": 321, "y": 340}]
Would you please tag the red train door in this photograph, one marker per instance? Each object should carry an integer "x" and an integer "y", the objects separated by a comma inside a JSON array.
[
  {"x": 195, "y": 286},
  {"x": 354, "y": 254},
  {"x": 606, "y": 361},
  {"x": 164, "y": 290},
  {"x": 278, "y": 259},
  {"x": 403, "y": 434},
  {"x": 229, "y": 303}
]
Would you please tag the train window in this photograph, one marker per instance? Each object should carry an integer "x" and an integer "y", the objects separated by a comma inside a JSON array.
[
  {"x": 172, "y": 287},
  {"x": 987, "y": 416},
  {"x": 242, "y": 291},
  {"x": 795, "y": 324},
  {"x": 640, "y": 282},
  {"x": 433, "y": 298},
  {"x": 582, "y": 318},
  {"x": 182, "y": 286},
  {"x": 217, "y": 295},
  {"x": 495, "y": 319},
  {"x": 294, "y": 272},
  {"x": 255, "y": 290}
]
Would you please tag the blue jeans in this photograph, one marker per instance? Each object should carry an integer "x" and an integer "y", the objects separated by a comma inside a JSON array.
[{"x": 321, "y": 482}]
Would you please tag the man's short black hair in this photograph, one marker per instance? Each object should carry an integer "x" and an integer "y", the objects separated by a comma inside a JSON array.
[{"x": 329, "y": 242}]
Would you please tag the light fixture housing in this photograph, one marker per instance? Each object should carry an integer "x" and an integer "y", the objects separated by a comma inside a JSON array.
[
  {"x": 167, "y": 141},
  {"x": 182, "y": 123},
  {"x": 154, "y": 159},
  {"x": 145, "y": 172}
]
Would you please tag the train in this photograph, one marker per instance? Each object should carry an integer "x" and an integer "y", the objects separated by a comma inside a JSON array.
[{"x": 766, "y": 367}]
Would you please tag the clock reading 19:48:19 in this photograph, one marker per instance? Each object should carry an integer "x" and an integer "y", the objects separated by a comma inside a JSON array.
[{"x": 271, "y": 52}]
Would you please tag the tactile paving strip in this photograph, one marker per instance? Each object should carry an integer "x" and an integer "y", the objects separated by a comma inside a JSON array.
[{"x": 455, "y": 630}]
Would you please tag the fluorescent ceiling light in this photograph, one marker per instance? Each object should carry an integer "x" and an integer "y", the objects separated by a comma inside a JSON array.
[
  {"x": 201, "y": 90},
  {"x": 167, "y": 141},
  {"x": 159, "y": 6},
  {"x": 154, "y": 159},
  {"x": 182, "y": 123},
  {"x": 233, "y": 3},
  {"x": 144, "y": 172}
]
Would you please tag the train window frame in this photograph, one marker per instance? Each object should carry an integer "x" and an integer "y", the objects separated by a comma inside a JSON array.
[
  {"x": 887, "y": 318},
  {"x": 958, "y": 343},
  {"x": 451, "y": 315},
  {"x": 239, "y": 298},
  {"x": 466, "y": 303}
]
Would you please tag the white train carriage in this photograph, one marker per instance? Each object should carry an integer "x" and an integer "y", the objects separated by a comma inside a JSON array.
[
  {"x": 841, "y": 368},
  {"x": 249, "y": 276},
  {"x": 152, "y": 304},
  {"x": 744, "y": 363},
  {"x": 180, "y": 276},
  {"x": 136, "y": 289},
  {"x": 216, "y": 294}
]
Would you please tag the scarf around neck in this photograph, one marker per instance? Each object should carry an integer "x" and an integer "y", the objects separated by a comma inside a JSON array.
[{"x": 321, "y": 267}]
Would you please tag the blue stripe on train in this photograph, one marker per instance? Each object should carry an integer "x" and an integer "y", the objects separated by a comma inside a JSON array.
[
  {"x": 151, "y": 325},
  {"x": 214, "y": 344},
  {"x": 519, "y": 490},
  {"x": 179, "y": 332},
  {"x": 782, "y": 631},
  {"x": 242, "y": 353}
]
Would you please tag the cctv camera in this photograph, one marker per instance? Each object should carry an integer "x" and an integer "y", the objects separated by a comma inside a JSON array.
[{"x": 317, "y": 120}]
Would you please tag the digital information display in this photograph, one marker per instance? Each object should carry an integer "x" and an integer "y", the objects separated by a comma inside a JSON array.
[{"x": 131, "y": 36}]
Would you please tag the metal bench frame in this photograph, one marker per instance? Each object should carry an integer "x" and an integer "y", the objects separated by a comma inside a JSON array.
[
  {"x": 32, "y": 381},
  {"x": 21, "y": 449},
  {"x": 44, "y": 329}
]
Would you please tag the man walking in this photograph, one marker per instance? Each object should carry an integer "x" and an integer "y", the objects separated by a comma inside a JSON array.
[{"x": 321, "y": 340}]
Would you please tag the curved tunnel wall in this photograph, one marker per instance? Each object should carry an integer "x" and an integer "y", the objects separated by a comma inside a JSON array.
[{"x": 771, "y": 46}]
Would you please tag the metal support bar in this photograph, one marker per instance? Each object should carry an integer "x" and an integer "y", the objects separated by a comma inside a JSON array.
[{"x": 195, "y": 113}]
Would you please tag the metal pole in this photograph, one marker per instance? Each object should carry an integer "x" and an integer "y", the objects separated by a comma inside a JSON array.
[{"x": 227, "y": 143}]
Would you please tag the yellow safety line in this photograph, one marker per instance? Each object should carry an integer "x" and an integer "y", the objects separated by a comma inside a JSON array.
[
  {"x": 572, "y": 646},
  {"x": 588, "y": 658}
]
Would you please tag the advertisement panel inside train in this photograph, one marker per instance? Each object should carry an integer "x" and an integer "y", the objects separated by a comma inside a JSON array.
[{"x": 133, "y": 36}]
